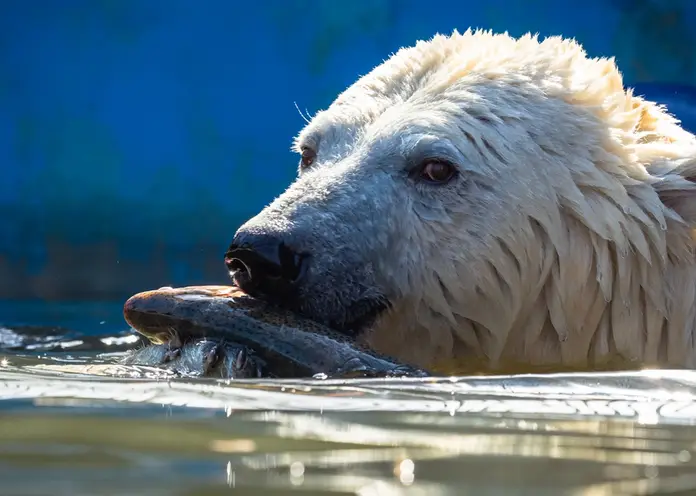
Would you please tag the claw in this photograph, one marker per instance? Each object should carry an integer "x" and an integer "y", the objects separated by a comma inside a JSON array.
[
  {"x": 174, "y": 349},
  {"x": 171, "y": 354},
  {"x": 258, "y": 369},
  {"x": 240, "y": 362},
  {"x": 212, "y": 358}
]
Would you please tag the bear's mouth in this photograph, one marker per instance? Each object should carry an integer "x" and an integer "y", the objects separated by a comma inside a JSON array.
[
  {"x": 351, "y": 318},
  {"x": 360, "y": 316}
]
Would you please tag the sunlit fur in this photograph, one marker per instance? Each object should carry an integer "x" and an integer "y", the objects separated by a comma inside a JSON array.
[{"x": 565, "y": 240}]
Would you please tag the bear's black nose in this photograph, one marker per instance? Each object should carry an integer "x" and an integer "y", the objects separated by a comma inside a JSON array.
[{"x": 263, "y": 265}]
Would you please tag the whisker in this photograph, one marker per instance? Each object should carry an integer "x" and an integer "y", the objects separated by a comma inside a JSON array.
[{"x": 305, "y": 118}]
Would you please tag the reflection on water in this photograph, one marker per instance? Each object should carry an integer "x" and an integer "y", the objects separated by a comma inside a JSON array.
[
  {"x": 84, "y": 426},
  {"x": 73, "y": 422}
]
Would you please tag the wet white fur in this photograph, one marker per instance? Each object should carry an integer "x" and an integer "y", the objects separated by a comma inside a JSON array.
[{"x": 569, "y": 239}]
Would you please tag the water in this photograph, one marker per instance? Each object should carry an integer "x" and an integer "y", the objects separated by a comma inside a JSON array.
[{"x": 73, "y": 422}]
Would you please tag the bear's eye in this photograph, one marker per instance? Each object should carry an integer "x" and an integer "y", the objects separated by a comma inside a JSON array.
[
  {"x": 436, "y": 171},
  {"x": 308, "y": 156}
]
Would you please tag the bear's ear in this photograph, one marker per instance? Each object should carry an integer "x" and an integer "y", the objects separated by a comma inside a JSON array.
[
  {"x": 676, "y": 188},
  {"x": 669, "y": 152}
]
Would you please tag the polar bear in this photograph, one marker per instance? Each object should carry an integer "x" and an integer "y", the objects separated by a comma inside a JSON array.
[{"x": 485, "y": 202}]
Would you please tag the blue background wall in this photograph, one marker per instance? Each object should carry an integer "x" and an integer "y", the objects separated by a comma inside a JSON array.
[{"x": 136, "y": 135}]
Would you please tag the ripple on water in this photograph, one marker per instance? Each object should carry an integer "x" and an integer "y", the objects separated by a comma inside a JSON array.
[{"x": 89, "y": 426}]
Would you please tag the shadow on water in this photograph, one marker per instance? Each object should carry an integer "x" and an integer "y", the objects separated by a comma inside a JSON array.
[{"x": 72, "y": 421}]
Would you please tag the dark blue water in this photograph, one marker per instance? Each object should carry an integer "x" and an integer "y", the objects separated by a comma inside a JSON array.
[{"x": 85, "y": 317}]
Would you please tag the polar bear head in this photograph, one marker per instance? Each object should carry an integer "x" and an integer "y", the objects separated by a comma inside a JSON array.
[{"x": 483, "y": 197}]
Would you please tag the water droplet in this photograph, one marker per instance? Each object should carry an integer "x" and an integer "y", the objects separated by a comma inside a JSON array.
[
  {"x": 231, "y": 475},
  {"x": 405, "y": 471},
  {"x": 297, "y": 469}
]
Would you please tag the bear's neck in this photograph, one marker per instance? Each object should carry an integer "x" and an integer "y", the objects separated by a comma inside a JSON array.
[{"x": 592, "y": 306}]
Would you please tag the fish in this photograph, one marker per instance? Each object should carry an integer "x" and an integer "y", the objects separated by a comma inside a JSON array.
[
  {"x": 267, "y": 340},
  {"x": 202, "y": 358}
]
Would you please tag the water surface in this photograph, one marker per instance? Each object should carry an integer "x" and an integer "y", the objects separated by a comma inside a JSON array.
[{"x": 73, "y": 422}]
